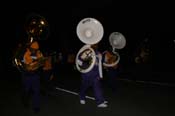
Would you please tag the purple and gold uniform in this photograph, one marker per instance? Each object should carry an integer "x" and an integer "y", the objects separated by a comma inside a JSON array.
[{"x": 92, "y": 79}]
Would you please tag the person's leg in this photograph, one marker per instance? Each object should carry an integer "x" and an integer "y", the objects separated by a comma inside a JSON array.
[
  {"x": 49, "y": 81},
  {"x": 84, "y": 86},
  {"x": 98, "y": 92},
  {"x": 112, "y": 79},
  {"x": 36, "y": 92},
  {"x": 45, "y": 82},
  {"x": 26, "y": 86}
]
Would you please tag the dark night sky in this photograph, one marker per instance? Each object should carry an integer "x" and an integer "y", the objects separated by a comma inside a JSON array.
[{"x": 135, "y": 20}]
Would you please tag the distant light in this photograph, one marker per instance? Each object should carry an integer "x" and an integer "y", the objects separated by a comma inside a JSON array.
[
  {"x": 31, "y": 39},
  {"x": 42, "y": 22}
]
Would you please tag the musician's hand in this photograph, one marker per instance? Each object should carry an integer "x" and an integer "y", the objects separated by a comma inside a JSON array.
[
  {"x": 32, "y": 66},
  {"x": 33, "y": 63},
  {"x": 39, "y": 54}
]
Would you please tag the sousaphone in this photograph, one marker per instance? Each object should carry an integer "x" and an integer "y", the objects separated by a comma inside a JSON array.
[
  {"x": 37, "y": 28},
  {"x": 89, "y": 31},
  {"x": 117, "y": 41}
]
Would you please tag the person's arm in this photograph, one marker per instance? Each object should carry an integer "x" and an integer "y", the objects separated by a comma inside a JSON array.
[
  {"x": 39, "y": 54},
  {"x": 100, "y": 66},
  {"x": 31, "y": 63}
]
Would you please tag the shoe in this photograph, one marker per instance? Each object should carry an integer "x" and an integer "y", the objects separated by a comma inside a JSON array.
[
  {"x": 82, "y": 102},
  {"x": 105, "y": 102},
  {"x": 102, "y": 105}
]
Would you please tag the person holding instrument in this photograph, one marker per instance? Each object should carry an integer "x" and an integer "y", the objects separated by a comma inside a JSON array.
[
  {"x": 32, "y": 60},
  {"x": 92, "y": 79}
]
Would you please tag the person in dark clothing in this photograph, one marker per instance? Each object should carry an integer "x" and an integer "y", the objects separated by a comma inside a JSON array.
[
  {"x": 92, "y": 79},
  {"x": 112, "y": 69},
  {"x": 47, "y": 75},
  {"x": 33, "y": 60}
]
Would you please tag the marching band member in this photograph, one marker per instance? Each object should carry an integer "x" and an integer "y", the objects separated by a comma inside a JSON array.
[
  {"x": 92, "y": 79},
  {"x": 112, "y": 71},
  {"x": 30, "y": 77},
  {"x": 47, "y": 74}
]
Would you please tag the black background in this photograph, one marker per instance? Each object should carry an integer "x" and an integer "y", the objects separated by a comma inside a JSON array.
[{"x": 135, "y": 20}]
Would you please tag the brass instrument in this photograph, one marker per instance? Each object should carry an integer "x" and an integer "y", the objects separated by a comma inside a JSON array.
[
  {"x": 117, "y": 41},
  {"x": 90, "y": 31},
  {"x": 37, "y": 28},
  {"x": 35, "y": 65}
]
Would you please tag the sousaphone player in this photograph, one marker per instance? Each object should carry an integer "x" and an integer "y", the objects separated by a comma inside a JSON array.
[
  {"x": 112, "y": 58},
  {"x": 88, "y": 60}
]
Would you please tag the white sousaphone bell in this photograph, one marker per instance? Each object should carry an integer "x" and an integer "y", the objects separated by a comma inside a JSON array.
[
  {"x": 117, "y": 41},
  {"x": 89, "y": 31}
]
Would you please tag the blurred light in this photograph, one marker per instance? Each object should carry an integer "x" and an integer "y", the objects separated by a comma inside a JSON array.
[{"x": 42, "y": 22}]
